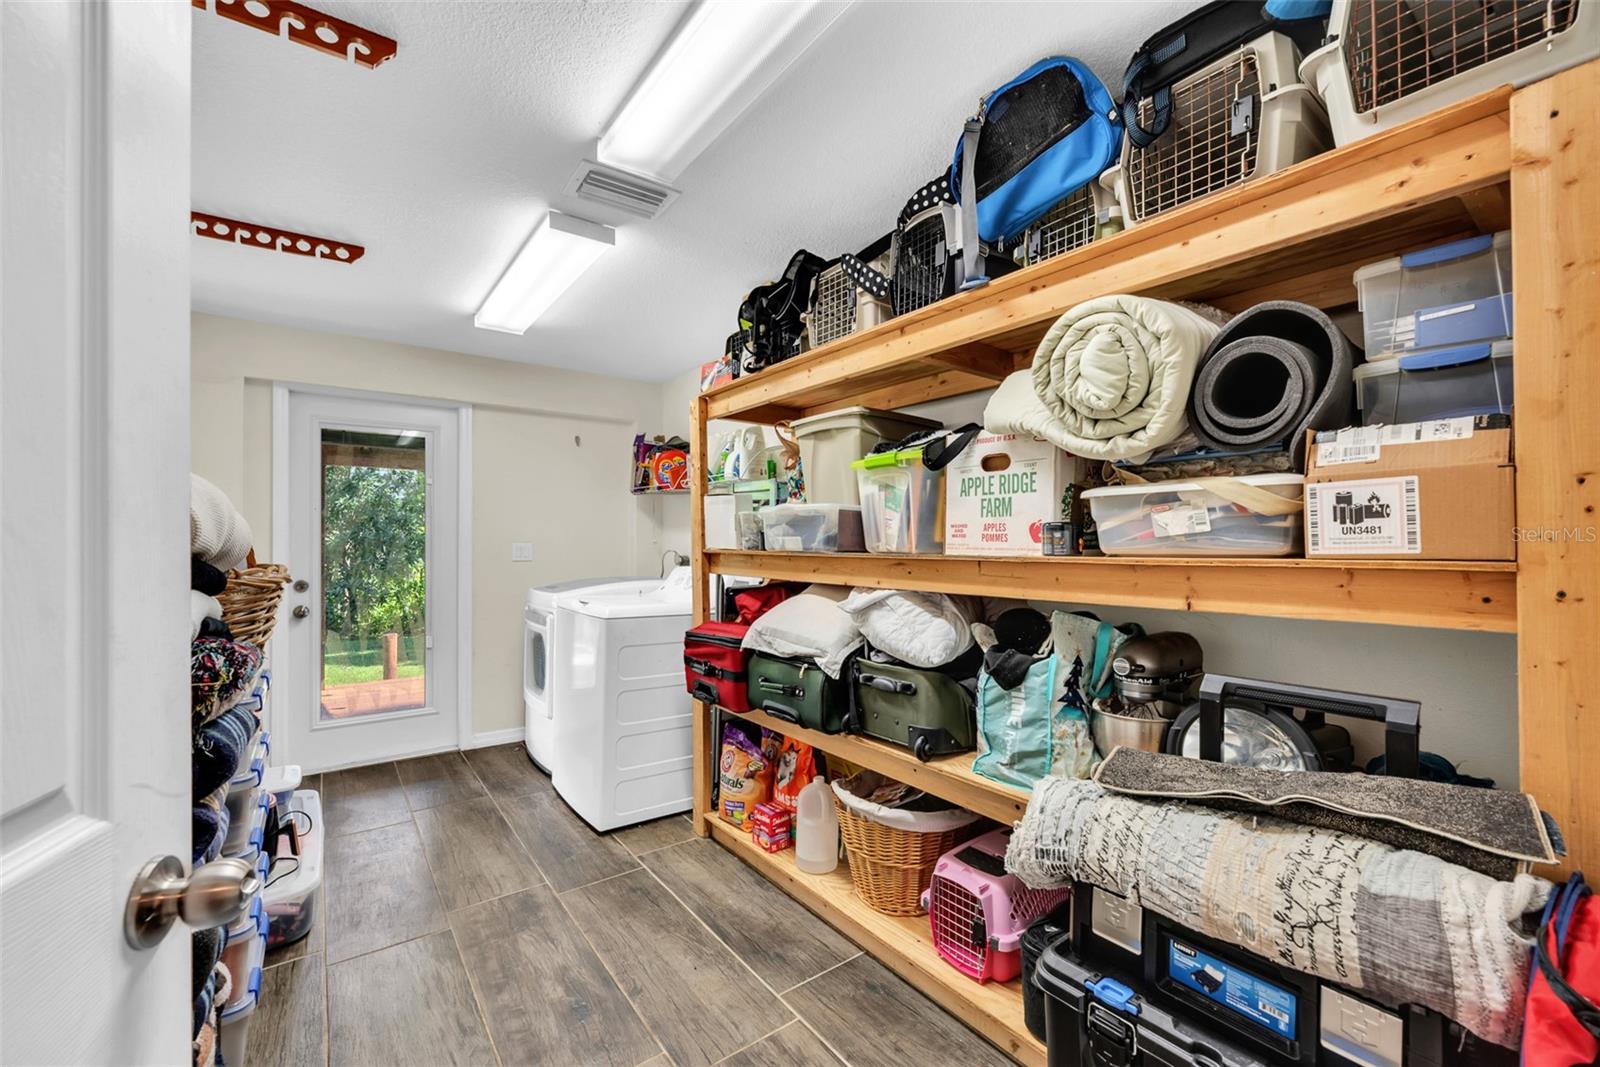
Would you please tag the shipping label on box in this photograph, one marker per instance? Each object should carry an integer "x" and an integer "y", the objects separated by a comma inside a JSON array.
[
  {"x": 999, "y": 493},
  {"x": 1364, "y": 517}
]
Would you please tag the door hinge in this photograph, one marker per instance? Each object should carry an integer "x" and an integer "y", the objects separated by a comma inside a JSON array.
[{"x": 427, "y": 642}]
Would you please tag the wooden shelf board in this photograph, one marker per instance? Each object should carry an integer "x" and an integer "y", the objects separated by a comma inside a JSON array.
[
  {"x": 950, "y": 777},
  {"x": 1400, "y": 187},
  {"x": 904, "y": 945},
  {"x": 1446, "y": 595}
]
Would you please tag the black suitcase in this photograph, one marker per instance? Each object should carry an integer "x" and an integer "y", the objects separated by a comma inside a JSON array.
[{"x": 796, "y": 690}]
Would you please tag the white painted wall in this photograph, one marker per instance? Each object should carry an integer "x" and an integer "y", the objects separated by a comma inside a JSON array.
[
  {"x": 1466, "y": 682},
  {"x": 551, "y": 459}
]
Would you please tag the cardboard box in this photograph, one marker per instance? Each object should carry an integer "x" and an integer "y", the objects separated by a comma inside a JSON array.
[
  {"x": 1431, "y": 490},
  {"x": 999, "y": 493}
]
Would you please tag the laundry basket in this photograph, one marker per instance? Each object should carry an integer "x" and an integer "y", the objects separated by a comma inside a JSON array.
[
  {"x": 893, "y": 850},
  {"x": 851, "y": 295},
  {"x": 250, "y": 601},
  {"x": 1390, "y": 61},
  {"x": 1243, "y": 116}
]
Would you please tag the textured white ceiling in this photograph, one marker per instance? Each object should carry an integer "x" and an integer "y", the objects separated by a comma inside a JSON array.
[{"x": 441, "y": 161}]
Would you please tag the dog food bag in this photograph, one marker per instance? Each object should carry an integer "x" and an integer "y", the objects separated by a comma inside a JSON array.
[
  {"x": 797, "y": 765},
  {"x": 746, "y": 775}
]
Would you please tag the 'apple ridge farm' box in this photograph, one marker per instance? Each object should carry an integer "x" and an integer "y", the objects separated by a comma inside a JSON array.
[{"x": 1000, "y": 491}]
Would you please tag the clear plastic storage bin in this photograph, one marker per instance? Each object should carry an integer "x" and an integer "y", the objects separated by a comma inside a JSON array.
[
  {"x": 291, "y": 898},
  {"x": 902, "y": 502},
  {"x": 1440, "y": 383},
  {"x": 246, "y": 835},
  {"x": 812, "y": 528},
  {"x": 253, "y": 768},
  {"x": 830, "y": 442},
  {"x": 244, "y": 949},
  {"x": 1450, "y": 294},
  {"x": 1255, "y": 515}
]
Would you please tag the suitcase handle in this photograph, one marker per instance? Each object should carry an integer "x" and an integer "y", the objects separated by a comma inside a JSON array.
[
  {"x": 705, "y": 667},
  {"x": 781, "y": 711},
  {"x": 888, "y": 685},
  {"x": 767, "y": 685},
  {"x": 705, "y": 691}
]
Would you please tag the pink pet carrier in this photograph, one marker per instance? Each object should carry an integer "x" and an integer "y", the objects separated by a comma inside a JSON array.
[{"x": 978, "y": 912}]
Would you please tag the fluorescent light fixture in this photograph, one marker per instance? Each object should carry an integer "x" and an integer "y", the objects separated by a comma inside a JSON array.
[
  {"x": 722, "y": 57},
  {"x": 560, "y": 249}
]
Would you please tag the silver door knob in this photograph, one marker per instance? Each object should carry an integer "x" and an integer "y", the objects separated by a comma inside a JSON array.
[
  {"x": 300, "y": 611},
  {"x": 217, "y": 893}
]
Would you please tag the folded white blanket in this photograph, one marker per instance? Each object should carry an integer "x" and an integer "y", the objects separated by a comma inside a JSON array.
[
  {"x": 201, "y": 607},
  {"x": 924, "y": 629},
  {"x": 218, "y": 534},
  {"x": 1111, "y": 378}
]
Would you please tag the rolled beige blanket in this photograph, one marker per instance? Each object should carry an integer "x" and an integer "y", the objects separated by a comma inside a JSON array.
[{"x": 1110, "y": 380}]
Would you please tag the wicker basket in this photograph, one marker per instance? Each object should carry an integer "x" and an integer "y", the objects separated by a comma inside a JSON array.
[
  {"x": 890, "y": 867},
  {"x": 250, "y": 601}
]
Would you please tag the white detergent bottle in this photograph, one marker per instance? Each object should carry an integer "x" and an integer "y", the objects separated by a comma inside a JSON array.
[{"x": 816, "y": 843}]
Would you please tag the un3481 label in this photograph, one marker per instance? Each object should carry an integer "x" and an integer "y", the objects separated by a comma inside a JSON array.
[{"x": 1376, "y": 516}]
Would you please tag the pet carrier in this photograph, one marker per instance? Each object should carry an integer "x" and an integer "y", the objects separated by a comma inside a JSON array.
[
  {"x": 1071, "y": 224},
  {"x": 772, "y": 313},
  {"x": 979, "y": 913},
  {"x": 1041, "y": 136},
  {"x": 923, "y": 252},
  {"x": 1390, "y": 61},
  {"x": 851, "y": 295},
  {"x": 1243, "y": 116}
]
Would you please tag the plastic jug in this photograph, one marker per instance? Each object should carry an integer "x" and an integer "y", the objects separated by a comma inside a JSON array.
[{"x": 816, "y": 844}]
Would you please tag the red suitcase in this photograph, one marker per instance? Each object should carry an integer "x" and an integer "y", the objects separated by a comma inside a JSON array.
[{"x": 714, "y": 664}]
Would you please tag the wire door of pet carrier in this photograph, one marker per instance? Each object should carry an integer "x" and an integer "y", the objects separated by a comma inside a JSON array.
[
  {"x": 1394, "y": 48},
  {"x": 1068, "y": 225}
]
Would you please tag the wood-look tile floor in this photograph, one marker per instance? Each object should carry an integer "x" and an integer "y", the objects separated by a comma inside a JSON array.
[{"x": 466, "y": 916}]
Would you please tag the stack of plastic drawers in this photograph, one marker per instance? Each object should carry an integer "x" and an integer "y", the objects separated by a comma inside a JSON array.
[
  {"x": 1437, "y": 325},
  {"x": 244, "y": 944}
]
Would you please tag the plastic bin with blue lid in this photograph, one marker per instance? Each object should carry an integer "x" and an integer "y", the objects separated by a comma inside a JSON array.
[
  {"x": 1450, "y": 294},
  {"x": 1441, "y": 383},
  {"x": 290, "y": 898},
  {"x": 246, "y": 836},
  {"x": 253, "y": 768}
]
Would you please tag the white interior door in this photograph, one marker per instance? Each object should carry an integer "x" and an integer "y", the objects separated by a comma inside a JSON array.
[
  {"x": 94, "y": 460},
  {"x": 373, "y": 499}
]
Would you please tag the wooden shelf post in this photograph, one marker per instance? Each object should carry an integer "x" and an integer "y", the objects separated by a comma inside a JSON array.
[
  {"x": 1555, "y": 251},
  {"x": 699, "y": 464}
]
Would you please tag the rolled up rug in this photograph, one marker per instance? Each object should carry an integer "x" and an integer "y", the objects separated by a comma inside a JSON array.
[
  {"x": 1272, "y": 373},
  {"x": 1110, "y": 380},
  {"x": 221, "y": 673}
]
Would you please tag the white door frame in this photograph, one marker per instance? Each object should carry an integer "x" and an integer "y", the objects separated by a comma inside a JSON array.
[{"x": 281, "y": 503}]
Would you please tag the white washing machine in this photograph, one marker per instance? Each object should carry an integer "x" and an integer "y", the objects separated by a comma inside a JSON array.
[
  {"x": 623, "y": 748},
  {"x": 539, "y": 666}
]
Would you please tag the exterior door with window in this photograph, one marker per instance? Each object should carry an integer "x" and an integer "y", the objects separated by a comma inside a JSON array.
[{"x": 373, "y": 510}]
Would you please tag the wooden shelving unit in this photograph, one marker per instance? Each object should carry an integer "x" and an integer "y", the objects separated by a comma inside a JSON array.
[
  {"x": 1298, "y": 234},
  {"x": 905, "y": 944},
  {"x": 1456, "y": 596}
]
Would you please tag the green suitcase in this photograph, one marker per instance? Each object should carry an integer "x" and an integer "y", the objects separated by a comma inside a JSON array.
[
  {"x": 930, "y": 713},
  {"x": 796, "y": 690}
]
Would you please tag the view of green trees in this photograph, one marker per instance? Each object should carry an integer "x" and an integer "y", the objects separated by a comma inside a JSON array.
[{"x": 374, "y": 540}]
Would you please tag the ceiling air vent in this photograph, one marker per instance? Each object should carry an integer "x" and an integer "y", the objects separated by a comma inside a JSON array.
[{"x": 622, "y": 189}]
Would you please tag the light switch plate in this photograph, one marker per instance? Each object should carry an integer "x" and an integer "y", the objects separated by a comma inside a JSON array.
[{"x": 521, "y": 551}]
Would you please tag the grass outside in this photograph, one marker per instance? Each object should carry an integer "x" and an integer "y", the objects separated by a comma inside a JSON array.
[{"x": 354, "y": 674}]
